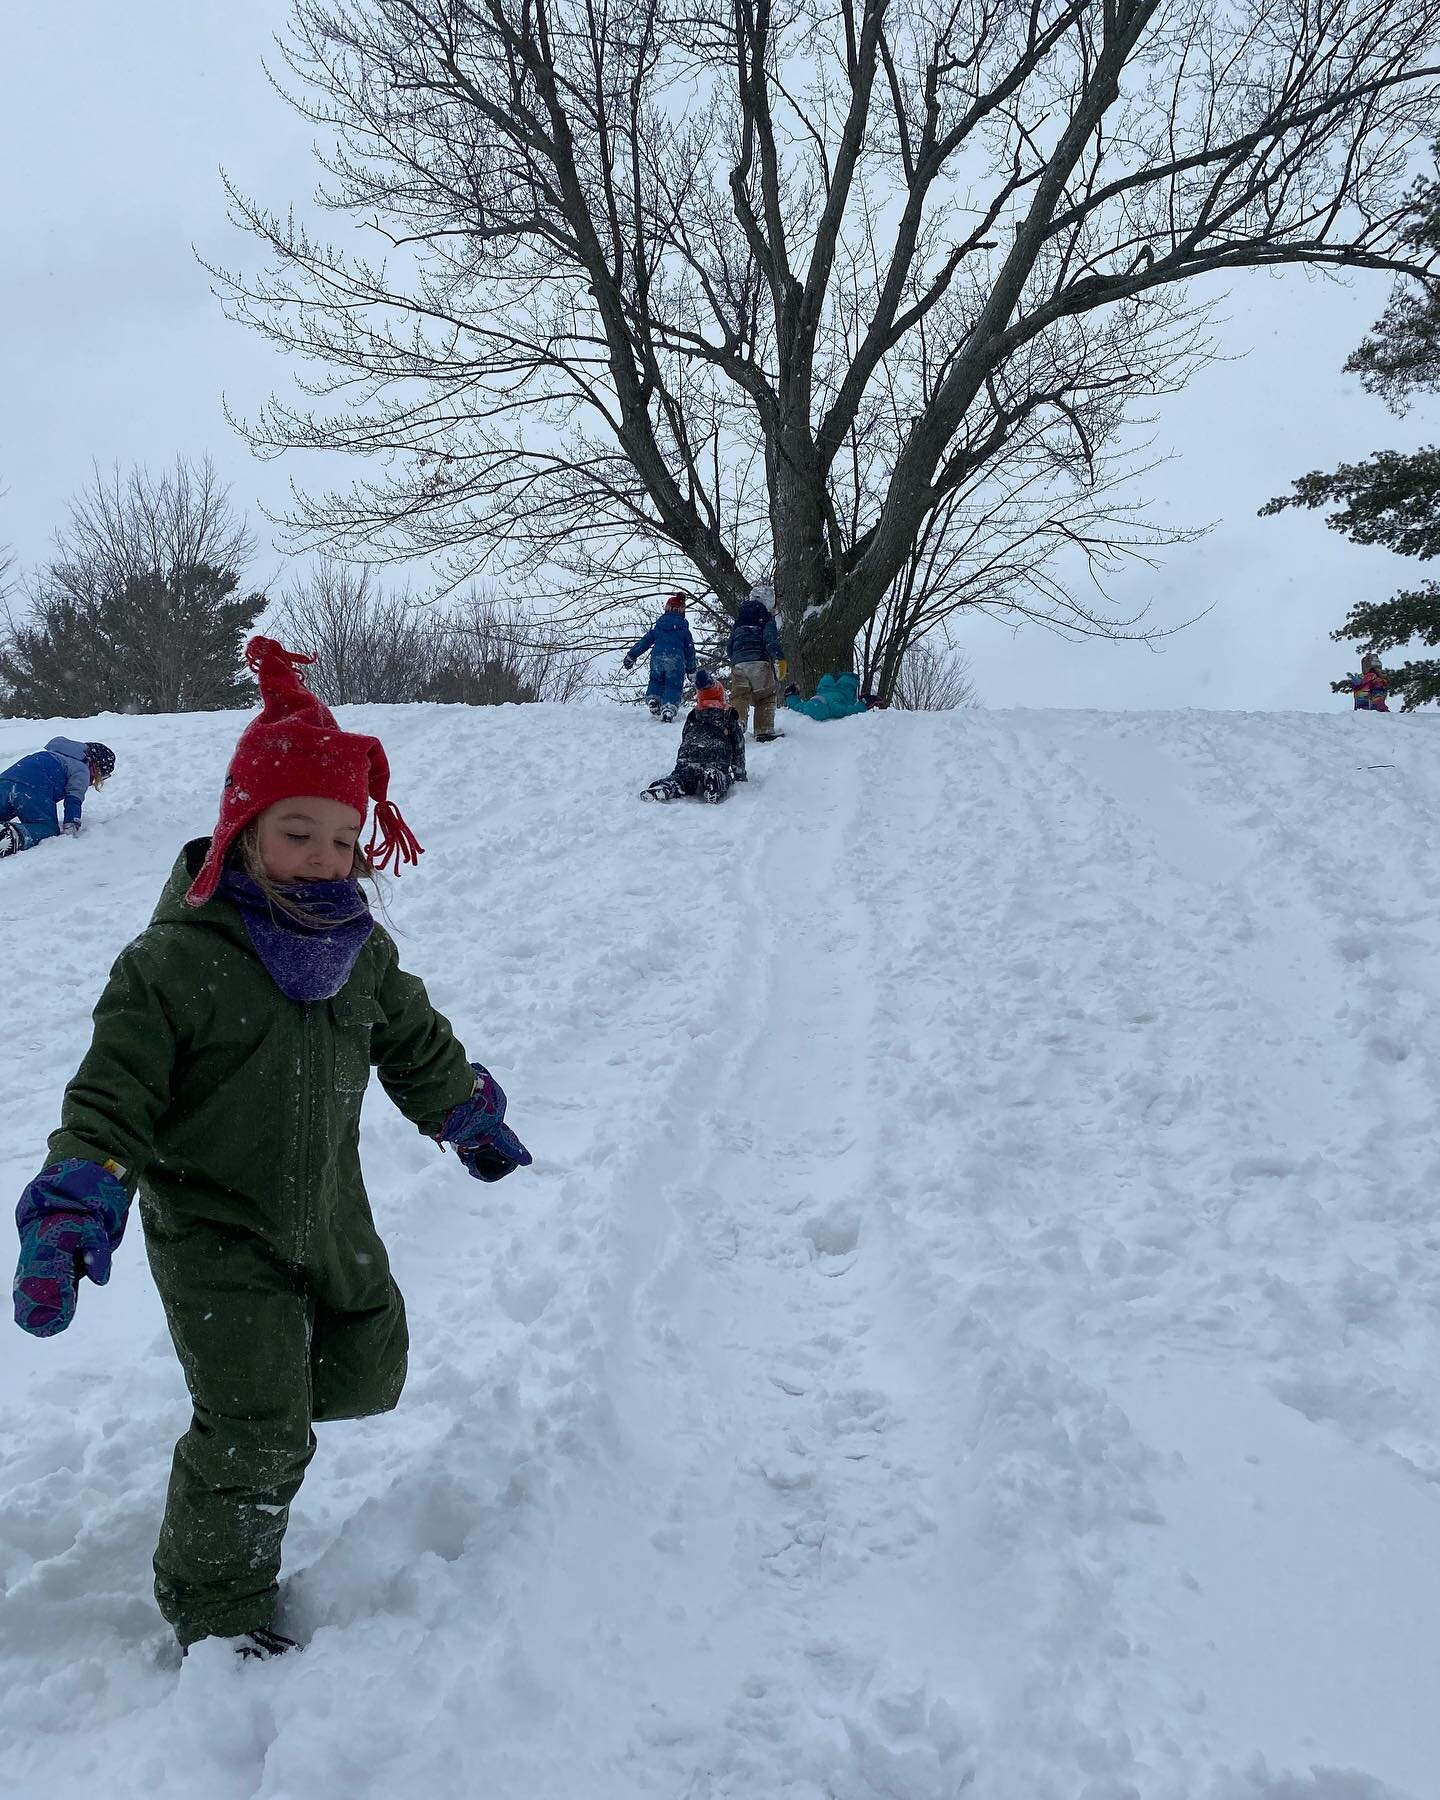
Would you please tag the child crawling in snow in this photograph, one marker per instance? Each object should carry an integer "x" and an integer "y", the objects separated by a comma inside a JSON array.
[
  {"x": 232, "y": 1050},
  {"x": 61, "y": 774},
  {"x": 712, "y": 748}
]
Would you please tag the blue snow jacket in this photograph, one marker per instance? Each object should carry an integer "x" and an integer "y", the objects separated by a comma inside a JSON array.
[
  {"x": 669, "y": 642},
  {"x": 755, "y": 637},
  {"x": 58, "y": 772}
]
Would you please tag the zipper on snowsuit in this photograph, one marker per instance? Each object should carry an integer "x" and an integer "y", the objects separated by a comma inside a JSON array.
[{"x": 307, "y": 1072}]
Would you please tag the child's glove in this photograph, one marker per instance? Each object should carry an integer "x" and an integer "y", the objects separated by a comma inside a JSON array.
[
  {"x": 71, "y": 828},
  {"x": 476, "y": 1127},
  {"x": 782, "y": 669},
  {"x": 629, "y": 662},
  {"x": 71, "y": 1219}
]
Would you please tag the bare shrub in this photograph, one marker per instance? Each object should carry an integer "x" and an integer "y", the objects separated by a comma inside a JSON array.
[
  {"x": 932, "y": 679},
  {"x": 369, "y": 646},
  {"x": 491, "y": 651},
  {"x": 379, "y": 647}
]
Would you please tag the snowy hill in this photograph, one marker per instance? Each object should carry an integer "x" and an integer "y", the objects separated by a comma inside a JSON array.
[{"x": 971, "y": 1328}]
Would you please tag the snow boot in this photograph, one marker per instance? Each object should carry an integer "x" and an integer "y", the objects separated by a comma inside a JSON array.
[
  {"x": 260, "y": 1645},
  {"x": 664, "y": 789},
  {"x": 769, "y": 737},
  {"x": 654, "y": 709},
  {"x": 713, "y": 786},
  {"x": 11, "y": 842},
  {"x": 667, "y": 715},
  {"x": 263, "y": 1645}
]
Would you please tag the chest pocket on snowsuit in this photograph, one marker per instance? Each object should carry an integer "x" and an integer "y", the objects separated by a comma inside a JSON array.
[{"x": 356, "y": 1016}]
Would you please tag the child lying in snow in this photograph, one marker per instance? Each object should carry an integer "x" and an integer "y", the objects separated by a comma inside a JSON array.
[
  {"x": 712, "y": 748},
  {"x": 232, "y": 1049}
]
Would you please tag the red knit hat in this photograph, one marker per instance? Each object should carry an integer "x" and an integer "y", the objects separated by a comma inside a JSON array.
[
  {"x": 677, "y": 602},
  {"x": 296, "y": 747}
]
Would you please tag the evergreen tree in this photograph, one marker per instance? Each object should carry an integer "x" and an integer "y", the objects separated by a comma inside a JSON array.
[
  {"x": 140, "y": 611},
  {"x": 1393, "y": 499},
  {"x": 52, "y": 666},
  {"x": 155, "y": 644},
  {"x": 175, "y": 641}
]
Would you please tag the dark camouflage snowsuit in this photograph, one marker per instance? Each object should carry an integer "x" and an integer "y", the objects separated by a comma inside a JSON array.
[{"x": 711, "y": 759}]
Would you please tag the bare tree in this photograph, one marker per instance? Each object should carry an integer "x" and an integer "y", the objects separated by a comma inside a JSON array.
[
  {"x": 368, "y": 645},
  {"x": 382, "y": 647},
  {"x": 1027, "y": 538},
  {"x": 137, "y": 524},
  {"x": 700, "y": 284},
  {"x": 489, "y": 651},
  {"x": 7, "y": 572},
  {"x": 932, "y": 679}
]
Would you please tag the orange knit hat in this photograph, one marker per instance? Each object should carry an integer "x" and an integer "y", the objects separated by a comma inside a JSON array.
[{"x": 708, "y": 690}]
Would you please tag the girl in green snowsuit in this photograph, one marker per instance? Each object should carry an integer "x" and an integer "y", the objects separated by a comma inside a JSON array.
[{"x": 232, "y": 1049}]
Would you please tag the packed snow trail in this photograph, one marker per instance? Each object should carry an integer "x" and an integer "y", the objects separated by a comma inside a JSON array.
[{"x": 971, "y": 1328}]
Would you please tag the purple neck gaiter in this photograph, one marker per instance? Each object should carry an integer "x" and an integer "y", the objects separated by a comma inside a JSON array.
[{"x": 307, "y": 961}]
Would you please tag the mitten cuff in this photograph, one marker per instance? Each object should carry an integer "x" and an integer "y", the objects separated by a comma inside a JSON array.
[
  {"x": 93, "y": 1189},
  {"x": 473, "y": 1120}
]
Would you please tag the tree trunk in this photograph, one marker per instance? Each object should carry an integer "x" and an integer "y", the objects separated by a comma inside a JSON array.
[
  {"x": 827, "y": 644},
  {"x": 797, "y": 523}
]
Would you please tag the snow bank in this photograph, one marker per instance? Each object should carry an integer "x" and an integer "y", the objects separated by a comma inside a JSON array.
[{"x": 971, "y": 1326}]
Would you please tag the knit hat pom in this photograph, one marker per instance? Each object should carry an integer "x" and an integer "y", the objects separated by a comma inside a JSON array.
[
  {"x": 392, "y": 839},
  {"x": 266, "y": 653}
]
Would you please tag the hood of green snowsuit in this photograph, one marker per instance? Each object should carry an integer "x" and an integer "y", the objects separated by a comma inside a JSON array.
[
  {"x": 230, "y": 1104},
  {"x": 835, "y": 697}
]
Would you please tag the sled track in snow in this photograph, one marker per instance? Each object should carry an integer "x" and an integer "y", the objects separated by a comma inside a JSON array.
[{"x": 970, "y": 1331}]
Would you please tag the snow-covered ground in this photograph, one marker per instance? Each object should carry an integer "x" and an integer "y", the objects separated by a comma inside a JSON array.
[{"x": 972, "y": 1326}]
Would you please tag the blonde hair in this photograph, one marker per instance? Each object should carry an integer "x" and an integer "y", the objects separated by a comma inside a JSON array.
[{"x": 246, "y": 853}]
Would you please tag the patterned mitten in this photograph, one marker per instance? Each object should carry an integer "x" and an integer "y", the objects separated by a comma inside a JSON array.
[
  {"x": 476, "y": 1127},
  {"x": 71, "y": 1219}
]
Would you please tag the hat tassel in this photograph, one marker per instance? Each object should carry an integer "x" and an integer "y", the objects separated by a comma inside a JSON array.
[
  {"x": 392, "y": 839},
  {"x": 262, "y": 649}
]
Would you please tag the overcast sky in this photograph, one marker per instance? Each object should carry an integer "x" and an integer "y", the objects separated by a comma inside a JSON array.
[{"x": 114, "y": 124}]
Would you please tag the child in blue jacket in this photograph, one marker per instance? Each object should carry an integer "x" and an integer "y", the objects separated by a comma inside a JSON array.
[
  {"x": 672, "y": 658},
  {"x": 31, "y": 789}
]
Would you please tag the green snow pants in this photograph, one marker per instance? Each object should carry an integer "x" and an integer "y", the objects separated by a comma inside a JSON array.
[{"x": 267, "y": 1349}]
